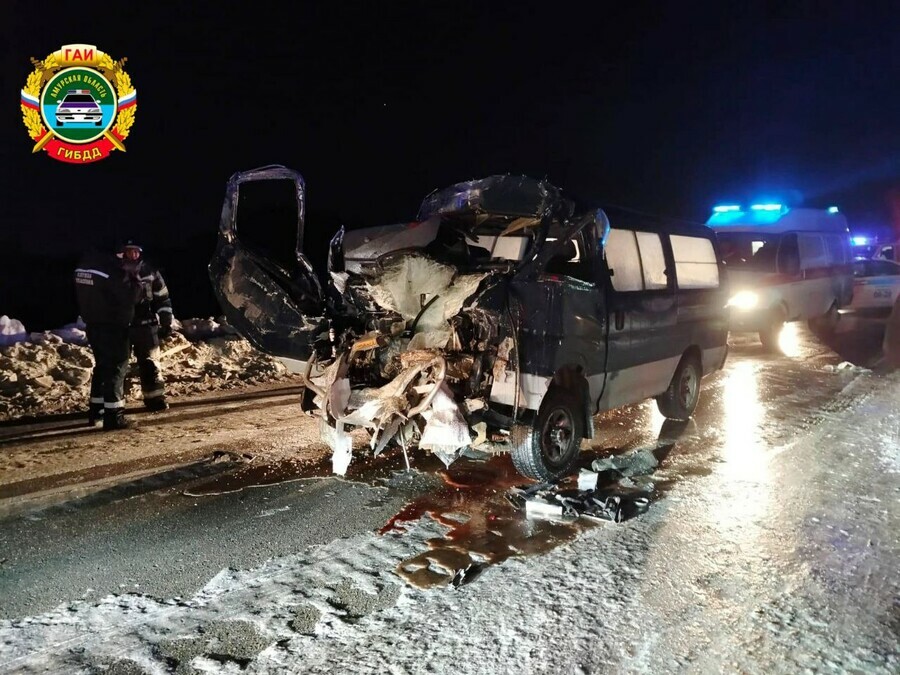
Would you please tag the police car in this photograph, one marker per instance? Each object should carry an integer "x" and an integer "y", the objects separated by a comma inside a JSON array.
[
  {"x": 876, "y": 284},
  {"x": 78, "y": 106}
]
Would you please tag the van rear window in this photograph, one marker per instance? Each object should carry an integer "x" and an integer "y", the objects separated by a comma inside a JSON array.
[{"x": 695, "y": 262}]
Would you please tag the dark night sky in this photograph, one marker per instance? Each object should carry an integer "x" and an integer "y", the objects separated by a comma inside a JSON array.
[{"x": 664, "y": 107}]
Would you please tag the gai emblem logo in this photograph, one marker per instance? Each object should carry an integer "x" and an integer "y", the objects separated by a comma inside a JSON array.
[{"x": 78, "y": 104}]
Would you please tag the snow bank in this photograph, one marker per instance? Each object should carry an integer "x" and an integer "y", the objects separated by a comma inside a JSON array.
[
  {"x": 11, "y": 331},
  {"x": 49, "y": 373}
]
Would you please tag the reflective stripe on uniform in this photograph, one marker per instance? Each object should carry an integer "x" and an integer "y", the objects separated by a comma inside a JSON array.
[
  {"x": 96, "y": 400},
  {"x": 97, "y": 272},
  {"x": 113, "y": 405}
]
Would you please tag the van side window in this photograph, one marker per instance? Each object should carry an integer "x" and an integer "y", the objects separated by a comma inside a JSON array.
[
  {"x": 789, "y": 255},
  {"x": 636, "y": 260},
  {"x": 812, "y": 251},
  {"x": 624, "y": 261},
  {"x": 837, "y": 249},
  {"x": 652, "y": 260},
  {"x": 569, "y": 260},
  {"x": 695, "y": 262}
]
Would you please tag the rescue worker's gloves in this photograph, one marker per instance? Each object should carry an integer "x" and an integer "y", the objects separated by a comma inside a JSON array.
[{"x": 165, "y": 324}]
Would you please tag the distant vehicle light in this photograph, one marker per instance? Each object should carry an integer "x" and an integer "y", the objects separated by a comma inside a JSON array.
[
  {"x": 766, "y": 207},
  {"x": 859, "y": 241},
  {"x": 832, "y": 209},
  {"x": 726, "y": 208},
  {"x": 743, "y": 300}
]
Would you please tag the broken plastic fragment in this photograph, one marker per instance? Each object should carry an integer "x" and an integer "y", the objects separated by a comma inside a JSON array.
[
  {"x": 587, "y": 480},
  {"x": 538, "y": 508},
  {"x": 341, "y": 445}
]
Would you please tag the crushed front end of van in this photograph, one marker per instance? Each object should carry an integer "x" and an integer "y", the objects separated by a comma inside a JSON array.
[{"x": 413, "y": 334}]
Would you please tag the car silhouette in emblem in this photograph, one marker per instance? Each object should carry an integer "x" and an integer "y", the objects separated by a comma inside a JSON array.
[{"x": 78, "y": 106}]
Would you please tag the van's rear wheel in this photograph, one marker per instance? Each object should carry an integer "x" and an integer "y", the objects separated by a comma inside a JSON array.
[
  {"x": 547, "y": 448},
  {"x": 770, "y": 334},
  {"x": 679, "y": 401}
]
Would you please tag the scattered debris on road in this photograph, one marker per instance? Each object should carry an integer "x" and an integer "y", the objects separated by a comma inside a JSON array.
[
  {"x": 845, "y": 366},
  {"x": 636, "y": 463},
  {"x": 551, "y": 501}
]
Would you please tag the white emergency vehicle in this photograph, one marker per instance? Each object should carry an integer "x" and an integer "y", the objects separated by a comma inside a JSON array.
[{"x": 784, "y": 264}]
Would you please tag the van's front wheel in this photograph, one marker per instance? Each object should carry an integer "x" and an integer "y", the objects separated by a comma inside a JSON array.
[
  {"x": 769, "y": 335},
  {"x": 680, "y": 399},
  {"x": 547, "y": 448}
]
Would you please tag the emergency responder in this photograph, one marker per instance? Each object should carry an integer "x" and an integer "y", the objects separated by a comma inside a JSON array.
[
  {"x": 106, "y": 295},
  {"x": 152, "y": 321}
]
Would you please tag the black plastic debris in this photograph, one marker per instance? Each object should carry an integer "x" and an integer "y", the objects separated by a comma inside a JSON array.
[
  {"x": 467, "y": 574},
  {"x": 635, "y": 463},
  {"x": 549, "y": 501}
]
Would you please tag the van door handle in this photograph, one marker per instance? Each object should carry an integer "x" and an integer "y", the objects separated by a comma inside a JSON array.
[{"x": 620, "y": 319}]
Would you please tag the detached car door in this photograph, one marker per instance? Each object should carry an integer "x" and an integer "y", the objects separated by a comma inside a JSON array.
[{"x": 265, "y": 284}]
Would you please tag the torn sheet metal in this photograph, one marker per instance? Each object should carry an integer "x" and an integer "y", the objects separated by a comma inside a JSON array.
[
  {"x": 274, "y": 313},
  {"x": 363, "y": 246},
  {"x": 506, "y": 195},
  {"x": 407, "y": 286}
]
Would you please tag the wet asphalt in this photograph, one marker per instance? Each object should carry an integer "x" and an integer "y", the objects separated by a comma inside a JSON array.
[{"x": 169, "y": 542}]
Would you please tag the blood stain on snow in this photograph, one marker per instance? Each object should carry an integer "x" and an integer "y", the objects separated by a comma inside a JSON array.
[{"x": 484, "y": 527}]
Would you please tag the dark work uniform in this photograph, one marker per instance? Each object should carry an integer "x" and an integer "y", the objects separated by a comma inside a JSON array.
[
  {"x": 153, "y": 310},
  {"x": 106, "y": 298}
]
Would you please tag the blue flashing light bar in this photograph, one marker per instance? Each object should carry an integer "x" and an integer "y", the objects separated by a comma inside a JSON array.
[
  {"x": 727, "y": 208},
  {"x": 832, "y": 209},
  {"x": 859, "y": 241},
  {"x": 766, "y": 207}
]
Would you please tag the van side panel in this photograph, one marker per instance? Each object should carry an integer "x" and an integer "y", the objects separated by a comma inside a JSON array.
[
  {"x": 561, "y": 323},
  {"x": 662, "y": 325},
  {"x": 702, "y": 317}
]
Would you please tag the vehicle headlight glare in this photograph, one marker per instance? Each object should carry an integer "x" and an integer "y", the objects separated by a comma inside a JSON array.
[{"x": 745, "y": 300}]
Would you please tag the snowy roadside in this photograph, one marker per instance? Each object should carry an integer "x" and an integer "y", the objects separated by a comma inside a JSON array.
[
  {"x": 49, "y": 373},
  {"x": 780, "y": 559}
]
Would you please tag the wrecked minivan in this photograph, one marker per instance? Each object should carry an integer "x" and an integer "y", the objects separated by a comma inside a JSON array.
[{"x": 501, "y": 320}]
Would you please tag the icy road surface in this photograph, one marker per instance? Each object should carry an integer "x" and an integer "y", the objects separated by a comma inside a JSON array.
[{"x": 771, "y": 545}]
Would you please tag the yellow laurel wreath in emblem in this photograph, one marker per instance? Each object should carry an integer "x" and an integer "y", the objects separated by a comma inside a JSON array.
[{"x": 44, "y": 71}]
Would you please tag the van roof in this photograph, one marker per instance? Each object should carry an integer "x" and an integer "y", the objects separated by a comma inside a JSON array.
[{"x": 781, "y": 220}]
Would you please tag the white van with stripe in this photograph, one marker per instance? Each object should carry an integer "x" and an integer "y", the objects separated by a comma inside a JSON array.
[{"x": 784, "y": 264}]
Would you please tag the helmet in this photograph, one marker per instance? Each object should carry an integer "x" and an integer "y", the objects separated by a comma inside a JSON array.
[{"x": 129, "y": 250}]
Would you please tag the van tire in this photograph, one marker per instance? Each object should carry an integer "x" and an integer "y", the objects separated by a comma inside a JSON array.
[
  {"x": 548, "y": 448},
  {"x": 679, "y": 401},
  {"x": 770, "y": 334}
]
